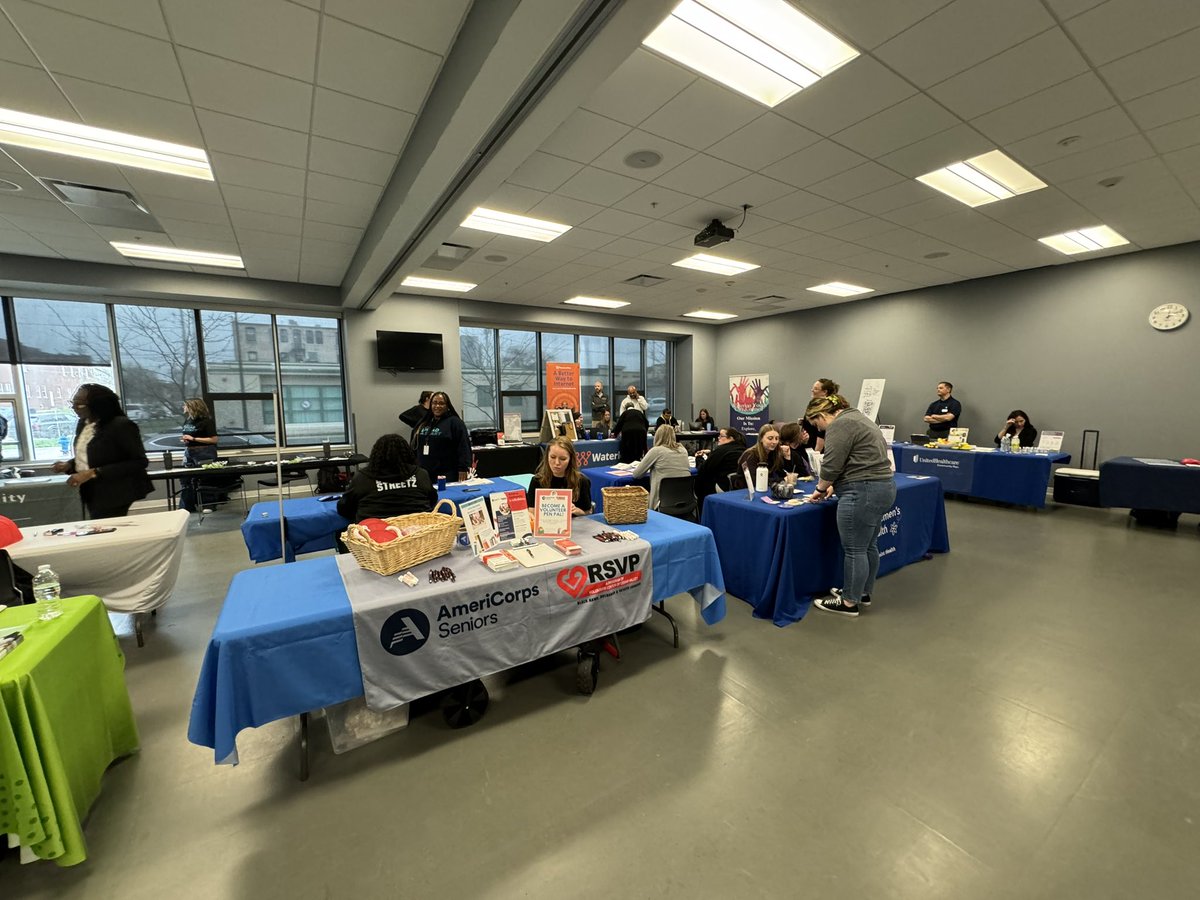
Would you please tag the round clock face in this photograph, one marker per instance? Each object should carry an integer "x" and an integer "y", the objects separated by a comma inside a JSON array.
[{"x": 1168, "y": 316}]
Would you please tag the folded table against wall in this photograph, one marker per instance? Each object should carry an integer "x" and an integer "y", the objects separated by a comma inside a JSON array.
[
  {"x": 64, "y": 717},
  {"x": 284, "y": 641},
  {"x": 1129, "y": 482},
  {"x": 778, "y": 558},
  {"x": 1018, "y": 478}
]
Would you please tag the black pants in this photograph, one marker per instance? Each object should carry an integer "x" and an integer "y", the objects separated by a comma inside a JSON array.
[{"x": 101, "y": 510}]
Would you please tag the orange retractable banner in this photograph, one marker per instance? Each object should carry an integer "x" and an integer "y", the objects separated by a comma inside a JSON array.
[{"x": 562, "y": 383}]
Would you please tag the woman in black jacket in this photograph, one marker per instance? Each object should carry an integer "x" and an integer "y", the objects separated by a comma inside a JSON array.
[
  {"x": 390, "y": 484},
  {"x": 632, "y": 428},
  {"x": 442, "y": 444},
  {"x": 719, "y": 463},
  {"x": 109, "y": 466}
]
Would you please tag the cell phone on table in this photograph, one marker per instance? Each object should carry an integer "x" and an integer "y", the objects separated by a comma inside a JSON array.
[
  {"x": 470, "y": 490},
  {"x": 329, "y": 497}
]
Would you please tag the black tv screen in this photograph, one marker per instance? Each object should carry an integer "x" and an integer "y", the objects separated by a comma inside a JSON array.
[{"x": 409, "y": 351}]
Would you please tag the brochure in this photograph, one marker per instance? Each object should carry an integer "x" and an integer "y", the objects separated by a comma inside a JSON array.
[
  {"x": 552, "y": 513},
  {"x": 510, "y": 512},
  {"x": 499, "y": 560},
  {"x": 474, "y": 514},
  {"x": 536, "y": 555}
]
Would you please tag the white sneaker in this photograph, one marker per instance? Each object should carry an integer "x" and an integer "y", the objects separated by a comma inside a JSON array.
[{"x": 864, "y": 601}]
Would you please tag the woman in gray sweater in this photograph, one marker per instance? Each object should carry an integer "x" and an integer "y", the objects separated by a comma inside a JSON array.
[
  {"x": 855, "y": 466},
  {"x": 666, "y": 459}
]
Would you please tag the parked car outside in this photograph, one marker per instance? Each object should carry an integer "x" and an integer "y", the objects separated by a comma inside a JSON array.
[{"x": 230, "y": 440}]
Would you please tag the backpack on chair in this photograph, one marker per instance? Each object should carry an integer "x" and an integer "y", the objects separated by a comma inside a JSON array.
[{"x": 332, "y": 481}]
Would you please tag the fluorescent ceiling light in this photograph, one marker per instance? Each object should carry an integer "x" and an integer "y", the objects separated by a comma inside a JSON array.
[
  {"x": 54, "y": 136},
  {"x": 765, "y": 49},
  {"x": 840, "y": 289},
  {"x": 518, "y": 226},
  {"x": 598, "y": 302},
  {"x": 983, "y": 179},
  {"x": 707, "y": 314},
  {"x": 1085, "y": 240},
  {"x": 706, "y": 262},
  {"x": 177, "y": 255},
  {"x": 437, "y": 284}
]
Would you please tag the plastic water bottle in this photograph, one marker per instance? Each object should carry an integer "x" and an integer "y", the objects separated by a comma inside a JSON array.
[
  {"x": 1006, "y": 443},
  {"x": 1016, "y": 443},
  {"x": 48, "y": 593}
]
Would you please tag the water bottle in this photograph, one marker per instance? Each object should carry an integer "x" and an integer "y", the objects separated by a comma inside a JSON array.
[
  {"x": 1006, "y": 443},
  {"x": 48, "y": 593},
  {"x": 760, "y": 480},
  {"x": 1016, "y": 443}
]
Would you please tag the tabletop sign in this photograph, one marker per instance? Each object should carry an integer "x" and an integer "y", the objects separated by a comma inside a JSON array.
[
  {"x": 889, "y": 432},
  {"x": 479, "y": 526},
  {"x": 1050, "y": 441},
  {"x": 558, "y": 423},
  {"x": 959, "y": 435},
  {"x": 512, "y": 427},
  {"x": 870, "y": 395},
  {"x": 552, "y": 512}
]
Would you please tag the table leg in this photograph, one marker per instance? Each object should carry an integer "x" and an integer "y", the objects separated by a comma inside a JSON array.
[
  {"x": 304, "y": 746},
  {"x": 137, "y": 629},
  {"x": 660, "y": 608}
]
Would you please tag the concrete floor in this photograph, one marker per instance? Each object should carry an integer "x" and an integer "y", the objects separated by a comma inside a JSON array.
[{"x": 1017, "y": 719}]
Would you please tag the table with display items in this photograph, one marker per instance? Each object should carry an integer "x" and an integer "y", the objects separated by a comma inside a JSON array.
[
  {"x": 312, "y": 524},
  {"x": 65, "y": 717},
  {"x": 1160, "y": 484},
  {"x": 492, "y": 461},
  {"x": 777, "y": 558},
  {"x": 1017, "y": 478},
  {"x": 218, "y": 475},
  {"x": 602, "y": 478},
  {"x": 284, "y": 642},
  {"x": 39, "y": 500}
]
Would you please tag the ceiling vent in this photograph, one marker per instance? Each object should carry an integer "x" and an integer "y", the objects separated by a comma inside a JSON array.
[
  {"x": 448, "y": 257},
  {"x": 645, "y": 280},
  {"x": 103, "y": 206}
]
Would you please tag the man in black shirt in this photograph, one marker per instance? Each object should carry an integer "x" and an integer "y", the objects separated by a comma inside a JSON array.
[{"x": 943, "y": 412}]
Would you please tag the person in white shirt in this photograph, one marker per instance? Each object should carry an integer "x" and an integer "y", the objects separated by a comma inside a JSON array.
[
  {"x": 633, "y": 400},
  {"x": 666, "y": 459}
]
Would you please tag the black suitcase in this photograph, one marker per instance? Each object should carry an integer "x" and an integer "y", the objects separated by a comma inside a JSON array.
[
  {"x": 1080, "y": 487},
  {"x": 1155, "y": 518}
]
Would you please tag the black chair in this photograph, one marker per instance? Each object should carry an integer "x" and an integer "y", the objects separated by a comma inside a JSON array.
[
  {"x": 213, "y": 489},
  {"x": 736, "y": 481},
  {"x": 289, "y": 476},
  {"x": 677, "y": 497},
  {"x": 11, "y": 592}
]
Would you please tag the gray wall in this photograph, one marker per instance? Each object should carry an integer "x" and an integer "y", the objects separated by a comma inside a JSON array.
[
  {"x": 376, "y": 397},
  {"x": 1069, "y": 344}
]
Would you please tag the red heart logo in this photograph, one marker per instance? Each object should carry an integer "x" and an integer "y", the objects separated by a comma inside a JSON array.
[{"x": 572, "y": 580}]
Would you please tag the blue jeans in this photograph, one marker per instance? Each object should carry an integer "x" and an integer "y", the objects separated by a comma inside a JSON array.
[{"x": 861, "y": 506}]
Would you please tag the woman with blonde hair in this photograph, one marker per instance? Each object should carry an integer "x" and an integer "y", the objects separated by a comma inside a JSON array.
[
  {"x": 199, "y": 446},
  {"x": 764, "y": 453},
  {"x": 559, "y": 469},
  {"x": 666, "y": 459}
]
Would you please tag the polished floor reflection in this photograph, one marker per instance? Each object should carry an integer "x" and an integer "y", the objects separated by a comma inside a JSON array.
[{"x": 1017, "y": 719}]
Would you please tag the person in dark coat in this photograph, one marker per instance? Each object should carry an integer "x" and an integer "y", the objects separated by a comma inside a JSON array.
[
  {"x": 109, "y": 466},
  {"x": 442, "y": 444},
  {"x": 390, "y": 484},
  {"x": 715, "y": 466},
  {"x": 414, "y": 414},
  {"x": 632, "y": 427}
]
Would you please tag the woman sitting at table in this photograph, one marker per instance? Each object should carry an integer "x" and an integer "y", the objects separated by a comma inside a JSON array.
[
  {"x": 632, "y": 427},
  {"x": 715, "y": 466},
  {"x": 1019, "y": 426},
  {"x": 856, "y": 466},
  {"x": 764, "y": 453},
  {"x": 390, "y": 484},
  {"x": 704, "y": 422},
  {"x": 559, "y": 469},
  {"x": 666, "y": 459},
  {"x": 793, "y": 459}
]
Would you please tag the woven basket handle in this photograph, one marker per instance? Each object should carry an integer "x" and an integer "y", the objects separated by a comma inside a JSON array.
[{"x": 448, "y": 502}]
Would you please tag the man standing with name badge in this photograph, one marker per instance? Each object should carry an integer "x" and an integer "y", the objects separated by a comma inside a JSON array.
[{"x": 943, "y": 412}]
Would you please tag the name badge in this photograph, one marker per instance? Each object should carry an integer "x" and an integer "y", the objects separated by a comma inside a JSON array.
[{"x": 425, "y": 449}]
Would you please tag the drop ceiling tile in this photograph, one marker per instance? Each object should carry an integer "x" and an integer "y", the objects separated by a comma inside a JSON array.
[
  {"x": 342, "y": 190},
  {"x": 337, "y": 213},
  {"x": 364, "y": 64},
  {"x": 767, "y": 139},
  {"x": 780, "y": 235},
  {"x": 616, "y": 222},
  {"x": 514, "y": 198},
  {"x": 585, "y": 238},
  {"x": 1171, "y": 62},
  {"x": 272, "y": 271},
  {"x": 702, "y": 114},
  {"x": 544, "y": 172},
  {"x": 1145, "y": 182},
  {"x": 238, "y": 170},
  {"x": 868, "y": 23},
  {"x": 245, "y": 218},
  {"x": 262, "y": 201},
  {"x": 329, "y": 253},
  {"x": 69, "y": 45},
  {"x": 952, "y": 145},
  {"x": 654, "y": 201},
  {"x": 564, "y": 210},
  {"x": 182, "y": 230},
  {"x": 961, "y": 34},
  {"x": 934, "y": 207},
  {"x": 1176, "y": 135},
  {"x": 791, "y": 207},
  {"x": 856, "y": 182},
  {"x": 119, "y": 110},
  {"x": 697, "y": 215},
  {"x": 891, "y": 198},
  {"x": 598, "y": 186},
  {"x": 822, "y": 246},
  {"x": 143, "y": 16},
  {"x": 242, "y": 137},
  {"x": 859, "y": 89},
  {"x": 1038, "y": 63},
  {"x": 69, "y": 168},
  {"x": 33, "y": 90},
  {"x": 431, "y": 26},
  {"x": 558, "y": 253},
  {"x": 160, "y": 184},
  {"x": 613, "y": 159},
  {"x": 1097, "y": 160},
  {"x": 663, "y": 233},
  {"x": 908, "y": 121},
  {"x": 267, "y": 34},
  {"x": 629, "y": 247},
  {"x": 345, "y": 118},
  {"x": 1039, "y": 213},
  {"x": 351, "y": 161},
  {"x": 1168, "y": 105},
  {"x": 13, "y": 48},
  {"x": 639, "y": 87},
  {"x": 1066, "y": 9},
  {"x": 341, "y": 234},
  {"x": 73, "y": 229},
  {"x": 754, "y": 190},
  {"x": 816, "y": 163},
  {"x": 172, "y": 208},
  {"x": 1121, "y": 27},
  {"x": 829, "y": 219},
  {"x": 21, "y": 244},
  {"x": 1092, "y": 131},
  {"x": 583, "y": 136},
  {"x": 239, "y": 90},
  {"x": 701, "y": 175},
  {"x": 1065, "y": 102}
]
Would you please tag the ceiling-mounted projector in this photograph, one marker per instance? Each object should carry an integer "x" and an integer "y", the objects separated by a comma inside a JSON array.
[{"x": 712, "y": 234}]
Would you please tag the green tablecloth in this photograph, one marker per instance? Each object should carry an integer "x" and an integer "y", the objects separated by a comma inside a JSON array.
[{"x": 64, "y": 717}]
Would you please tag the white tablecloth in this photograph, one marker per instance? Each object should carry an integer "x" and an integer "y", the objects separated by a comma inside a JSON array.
[{"x": 132, "y": 569}]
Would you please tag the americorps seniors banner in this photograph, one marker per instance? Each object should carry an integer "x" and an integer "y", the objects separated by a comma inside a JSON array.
[
  {"x": 749, "y": 403},
  {"x": 415, "y": 641}
]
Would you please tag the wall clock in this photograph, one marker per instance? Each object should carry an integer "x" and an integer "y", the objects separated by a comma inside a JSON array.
[{"x": 1168, "y": 316}]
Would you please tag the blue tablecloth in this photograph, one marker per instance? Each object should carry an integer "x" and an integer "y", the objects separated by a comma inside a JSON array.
[
  {"x": 1019, "y": 478},
  {"x": 313, "y": 524},
  {"x": 284, "y": 641},
  {"x": 602, "y": 478},
  {"x": 778, "y": 558},
  {"x": 1127, "y": 482}
]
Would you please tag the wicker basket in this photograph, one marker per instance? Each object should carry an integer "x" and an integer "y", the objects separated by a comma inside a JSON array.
[
  {"x": 626, "y": 505},
  {"x": 436, "y": 538}
]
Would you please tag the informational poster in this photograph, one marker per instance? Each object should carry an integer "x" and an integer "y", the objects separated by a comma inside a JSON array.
[
  {"x": 562, "y": 385},
  {"x": 749, "y": 403},
  {"x": 959, "y": 435},
  {"x": 558, "y": 423},
  {"x": 870, "y": 396},
  {"x": 1051, "y": 441},
  {"x": 889, "y": 432},
  {"x": 512, "y": 427}
]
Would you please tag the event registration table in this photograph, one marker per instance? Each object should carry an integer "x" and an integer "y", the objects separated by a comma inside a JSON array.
[
  {"x": 1137, "y": 483},
  {"x": 64, "y": 717},
  {"x": 777, "y": 558},
  {"x": 1019, "y": 478},
  {"x": 312, "y": 524},
  {"x": 284, "y": 643},
  {"x": 39, "y": 500}
]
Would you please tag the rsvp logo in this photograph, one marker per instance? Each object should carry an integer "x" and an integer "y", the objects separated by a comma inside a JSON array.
[
  {"x": 404, "y": 632},
  {"x": 573, "y": 580}
]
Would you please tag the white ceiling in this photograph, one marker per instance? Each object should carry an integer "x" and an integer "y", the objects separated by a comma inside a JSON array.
[{"x": 305, "y": 114}]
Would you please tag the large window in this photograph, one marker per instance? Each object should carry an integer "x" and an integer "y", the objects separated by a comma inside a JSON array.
[
  {"x": 159, "y": 365},
  {"x": 478, "y": 375},
  {"x": 656, "y": 384},
  {"x": 313, "y": 400}
]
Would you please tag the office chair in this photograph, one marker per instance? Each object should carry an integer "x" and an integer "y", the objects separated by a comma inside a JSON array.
[{"x": 677, "y": 497}]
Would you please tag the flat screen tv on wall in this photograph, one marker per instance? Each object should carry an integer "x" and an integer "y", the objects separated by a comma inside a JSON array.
[{"x": 408, "y": 351}]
